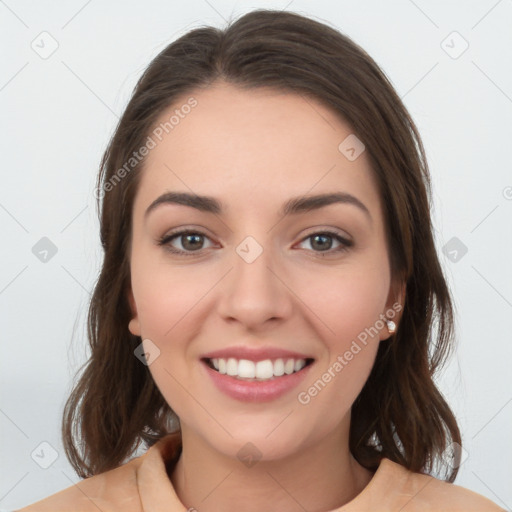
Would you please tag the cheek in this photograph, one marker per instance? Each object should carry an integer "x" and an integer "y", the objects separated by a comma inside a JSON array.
[
  {"x": 349, "y": 302},
  {"x": 167, "y": 297},
  {"x": 171, "y": 310},
  {"x": 349, "y": 306}
]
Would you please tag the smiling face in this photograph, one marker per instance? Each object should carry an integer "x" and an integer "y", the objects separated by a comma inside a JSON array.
[{"x": 255, "y": 276}]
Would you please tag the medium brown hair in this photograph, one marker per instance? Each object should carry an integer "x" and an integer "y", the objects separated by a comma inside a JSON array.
[{"x": 399, "y": 414}]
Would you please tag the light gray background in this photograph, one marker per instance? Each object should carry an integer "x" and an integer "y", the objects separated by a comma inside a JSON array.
[{"x": 58, "y": 114}]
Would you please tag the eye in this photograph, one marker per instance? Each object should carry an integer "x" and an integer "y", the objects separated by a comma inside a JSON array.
[
  {"x": 323, "y": 241},
  {"x": 191, "y": 242}
]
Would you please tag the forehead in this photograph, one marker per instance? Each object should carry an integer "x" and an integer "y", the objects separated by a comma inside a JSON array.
[{"x": 253, "y": 148}]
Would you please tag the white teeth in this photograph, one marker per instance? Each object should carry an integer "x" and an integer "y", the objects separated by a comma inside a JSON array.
[
  {"x": 288, "y": 367},
  {"x": 299, "y": 364},
  {"x": 232, "y": 367},
  {"x": 278, "y": 367},
  {"x": 262, "y": 370},
  {"x": 246, "y": 369}
]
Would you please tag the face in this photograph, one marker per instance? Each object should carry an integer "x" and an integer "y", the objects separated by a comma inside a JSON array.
[{"x": 247, "y": 285}]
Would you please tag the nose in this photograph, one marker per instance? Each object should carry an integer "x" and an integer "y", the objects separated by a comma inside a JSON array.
[{"x": 255, "y": 291}]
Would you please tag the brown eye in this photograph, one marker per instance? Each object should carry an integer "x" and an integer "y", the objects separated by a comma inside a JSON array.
[
  {"x": 323, "y": 242},
  {"x": 190, "y": 241}
]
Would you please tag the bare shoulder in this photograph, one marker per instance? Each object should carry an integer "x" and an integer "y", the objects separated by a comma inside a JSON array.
[
  {"x": 112, "y": 490},
  {"x": 431, "y": 493}
]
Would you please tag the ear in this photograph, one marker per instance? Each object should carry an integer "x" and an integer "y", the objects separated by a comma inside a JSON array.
[
  {"x": 134, "y": 324},
  {"x": 394, "y": 306}
]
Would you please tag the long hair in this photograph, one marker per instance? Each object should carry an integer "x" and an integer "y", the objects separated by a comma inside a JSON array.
[{"x": 400, "y": 413}]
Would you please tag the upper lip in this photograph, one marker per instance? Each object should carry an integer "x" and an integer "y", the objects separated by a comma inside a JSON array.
[{"x": 254, "y": 354}]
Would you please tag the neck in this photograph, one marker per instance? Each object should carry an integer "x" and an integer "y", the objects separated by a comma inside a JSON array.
[{"x": 323, "y": 477}]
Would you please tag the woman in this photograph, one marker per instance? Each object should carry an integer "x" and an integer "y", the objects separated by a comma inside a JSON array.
[{"x": 263, "y": 321}]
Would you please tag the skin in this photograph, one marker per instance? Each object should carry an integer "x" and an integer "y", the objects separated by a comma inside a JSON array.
[{"x": 253, "y": 150}]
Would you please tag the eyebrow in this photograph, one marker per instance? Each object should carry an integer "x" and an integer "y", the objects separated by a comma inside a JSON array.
[{"x": 295, "y": 205}]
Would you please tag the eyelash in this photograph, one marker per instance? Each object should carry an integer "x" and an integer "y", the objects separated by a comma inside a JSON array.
[{"x": 166, "y": 239}]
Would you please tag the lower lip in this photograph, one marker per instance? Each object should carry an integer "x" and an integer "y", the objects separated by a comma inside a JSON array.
[{"x": 256, "y": 391}]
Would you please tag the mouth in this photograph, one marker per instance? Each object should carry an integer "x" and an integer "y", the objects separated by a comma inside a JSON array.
[{"x": 257, "y": 371}]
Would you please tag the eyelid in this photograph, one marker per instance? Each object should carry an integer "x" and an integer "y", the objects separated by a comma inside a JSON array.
[{"x": 328, "y": 229}]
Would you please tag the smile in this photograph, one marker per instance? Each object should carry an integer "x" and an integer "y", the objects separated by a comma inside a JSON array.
[
  {"x": 264, "y": 370},
  {"x": 256, "y": 381}
]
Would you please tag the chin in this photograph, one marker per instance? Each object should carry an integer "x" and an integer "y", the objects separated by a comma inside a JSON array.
[{"x": 264, "y": 441}]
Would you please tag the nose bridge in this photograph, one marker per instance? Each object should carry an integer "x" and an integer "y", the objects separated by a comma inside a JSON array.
[
  {"x": 253, "y": 293},
  {"x": 253, "y": 263}
]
